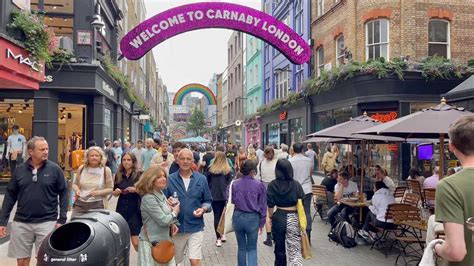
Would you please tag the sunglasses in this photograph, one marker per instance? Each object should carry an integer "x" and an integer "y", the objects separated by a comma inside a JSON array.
[{"x": 35, "y": 175}]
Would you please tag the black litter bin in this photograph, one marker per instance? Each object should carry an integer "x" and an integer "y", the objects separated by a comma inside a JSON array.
[{"x": 100, "y": 237}]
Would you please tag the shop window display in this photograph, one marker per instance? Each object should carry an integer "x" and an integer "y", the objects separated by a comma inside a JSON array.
[
  {"x": 13, "y": 141},
  {"x": 70, "y": 132}
]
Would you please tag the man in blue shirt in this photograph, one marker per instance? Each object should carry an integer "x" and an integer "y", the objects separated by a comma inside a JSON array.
[{"x": 195, "y": 200}]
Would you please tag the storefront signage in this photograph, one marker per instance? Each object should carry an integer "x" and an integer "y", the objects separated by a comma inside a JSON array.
[
  {"x": 384, "y": 116},
  {"x": 106, "y": 87},
  {"x": 17, "y": 69},
  {"x": 24, "y": 60},
  {"x": 196, "y": 16},
  {"x": 283, "y": 115},
  {"x": 127, "y": 104}
]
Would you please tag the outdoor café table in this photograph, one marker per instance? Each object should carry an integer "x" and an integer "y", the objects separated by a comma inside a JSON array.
[{"x": 356, "y": 204}]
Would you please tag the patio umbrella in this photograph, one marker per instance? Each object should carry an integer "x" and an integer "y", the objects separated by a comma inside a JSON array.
[
  {"x": 428, "y": 123},
  {"x": 345, "y": 133}
]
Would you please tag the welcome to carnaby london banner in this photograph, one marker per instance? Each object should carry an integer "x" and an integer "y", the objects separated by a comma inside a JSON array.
[{"x": 196, "y": 16}]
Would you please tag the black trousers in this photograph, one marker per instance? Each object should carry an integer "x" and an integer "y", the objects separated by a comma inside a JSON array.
[
  {"x": 13, "y": 164},
  {"x": 279, "y": 223},
  {"x": 217, "y": 208},
  {"x": 307, "y": 210}
]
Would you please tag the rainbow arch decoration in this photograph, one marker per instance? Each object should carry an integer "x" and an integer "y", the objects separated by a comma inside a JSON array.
[{"x": 194, "y": 87}]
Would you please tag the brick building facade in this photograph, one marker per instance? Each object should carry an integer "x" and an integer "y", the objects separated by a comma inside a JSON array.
[{"x": 403, "y": 27}]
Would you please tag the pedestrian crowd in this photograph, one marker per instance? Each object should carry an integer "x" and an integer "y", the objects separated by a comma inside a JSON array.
[
  {"x": 165, "y": 189},
  {"x": 163, "y": 192}
]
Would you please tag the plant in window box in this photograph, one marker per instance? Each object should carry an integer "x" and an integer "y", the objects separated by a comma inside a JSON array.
[
  {"x": 37, "y": 39},
  {"x": 436, "y": 67}
]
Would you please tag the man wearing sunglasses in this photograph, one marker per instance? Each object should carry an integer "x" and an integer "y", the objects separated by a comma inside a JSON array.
[{"x": 36, "y": 185}]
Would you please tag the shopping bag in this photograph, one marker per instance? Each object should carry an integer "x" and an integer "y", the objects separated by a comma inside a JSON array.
[
  {"x": 225, "y": 222},
  {"x": 301, "y": 215},
  {"x": 305, "y": 247}
]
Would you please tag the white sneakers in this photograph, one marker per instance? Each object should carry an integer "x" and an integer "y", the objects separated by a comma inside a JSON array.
[
  {"x": 218, "y": 243},
  {"x": 223, "y": 238}
]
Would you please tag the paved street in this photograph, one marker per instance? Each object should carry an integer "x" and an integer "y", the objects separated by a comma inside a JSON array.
[{"x": 324, "y": 252}]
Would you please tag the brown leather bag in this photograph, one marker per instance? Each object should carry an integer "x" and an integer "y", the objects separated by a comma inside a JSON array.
[{"x": 162, "y": 252}]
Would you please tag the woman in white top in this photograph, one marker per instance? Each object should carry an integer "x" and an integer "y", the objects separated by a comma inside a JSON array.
[
  {"x": 266, "y": 168},
  {"x": 376, "y": 217},
  {"x": 93, "y": 182},
  {"x": 266, "y": 174}
]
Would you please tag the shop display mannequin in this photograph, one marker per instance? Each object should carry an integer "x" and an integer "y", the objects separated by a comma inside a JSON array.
[
  {"x": 16, "y": 147},
  {"x": 74, "y": 143}
]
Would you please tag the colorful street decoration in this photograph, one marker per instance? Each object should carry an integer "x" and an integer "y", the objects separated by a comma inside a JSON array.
[
  {"x": 196, "y": 16},
  {"x": 194, "y": 87}
]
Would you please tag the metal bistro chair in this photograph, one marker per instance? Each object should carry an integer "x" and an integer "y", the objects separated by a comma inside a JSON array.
[
  {"x": 411, "y": 199},
  {"x": 399, "y": 193},
  {"x": 320, "y": 197},
  {"x": 429, "y": 195}
]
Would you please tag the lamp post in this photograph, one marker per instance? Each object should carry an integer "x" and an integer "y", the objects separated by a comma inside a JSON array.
[{"x": 97, "y": 24}]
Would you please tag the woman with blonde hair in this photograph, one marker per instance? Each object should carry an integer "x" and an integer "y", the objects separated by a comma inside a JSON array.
[
  {"x": 93, "y": 182},
  {"x": 158, "y": 217},
  {"x": 218, "y": 179},
  {"x": 128, "y": 204}
]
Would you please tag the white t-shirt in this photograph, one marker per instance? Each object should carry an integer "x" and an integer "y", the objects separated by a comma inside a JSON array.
[
  {"x": 16, "y": 143},
  {"x": 267, "y": 169},
  {"x": 347, "y": 191},
  {"x": 186, "y": 183},
  {"x": 302, "y": 166}
]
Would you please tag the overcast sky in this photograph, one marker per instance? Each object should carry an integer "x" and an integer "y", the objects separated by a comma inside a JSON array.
[{"x": 191, "y": 57}]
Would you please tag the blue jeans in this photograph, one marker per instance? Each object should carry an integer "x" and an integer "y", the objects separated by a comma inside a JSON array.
[{"x": 246, "y": 231}]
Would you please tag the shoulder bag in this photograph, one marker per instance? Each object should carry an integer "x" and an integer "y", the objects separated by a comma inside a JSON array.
[
  {"x": 305, "y": 247},
  {"x": 162, "y": 252},
  {"x": 225, "y": 222}
]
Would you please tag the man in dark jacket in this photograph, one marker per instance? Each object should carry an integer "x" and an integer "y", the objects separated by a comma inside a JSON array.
[{"x": 36, "y": 185}]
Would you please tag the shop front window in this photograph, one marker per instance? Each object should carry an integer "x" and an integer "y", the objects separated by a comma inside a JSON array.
[
  {"x": 323, "y": 120},
  {"x": 60, "y": 18},
  {"x": 342, "y": 115},
  {"x": 107, "y": 123},
  {"x": 273, "y": 133},
  {"x": 296, "y": 127},
  {"x": 415, "y": 107}
]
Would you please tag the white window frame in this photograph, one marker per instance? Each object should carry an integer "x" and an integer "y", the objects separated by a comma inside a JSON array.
[
  {"x": 339, "y": 53},
  {"x": 448, "y": 43},
  {"x": 319, "y": 61},
  {"x": 281, "y": 84},
  {"x": 320, "y": 6},
  {"x": 367, "y": 45},
  {"x": 299, "y": 17}
]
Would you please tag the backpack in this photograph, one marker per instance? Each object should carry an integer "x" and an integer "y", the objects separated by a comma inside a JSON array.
[{"x": 343, "y": 233}]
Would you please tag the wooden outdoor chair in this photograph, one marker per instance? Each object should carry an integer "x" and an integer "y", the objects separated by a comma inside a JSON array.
[
  {"x": 411, "y": 199},
  {"x": 407, "y": 237},
  {"x": 384, "y": 233},
  {"x": 399, "y": 193},
  {"x": 429, "y": 196},
  {"x": 320, "y": 197},
  {"x": 415, "y": 188}
]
